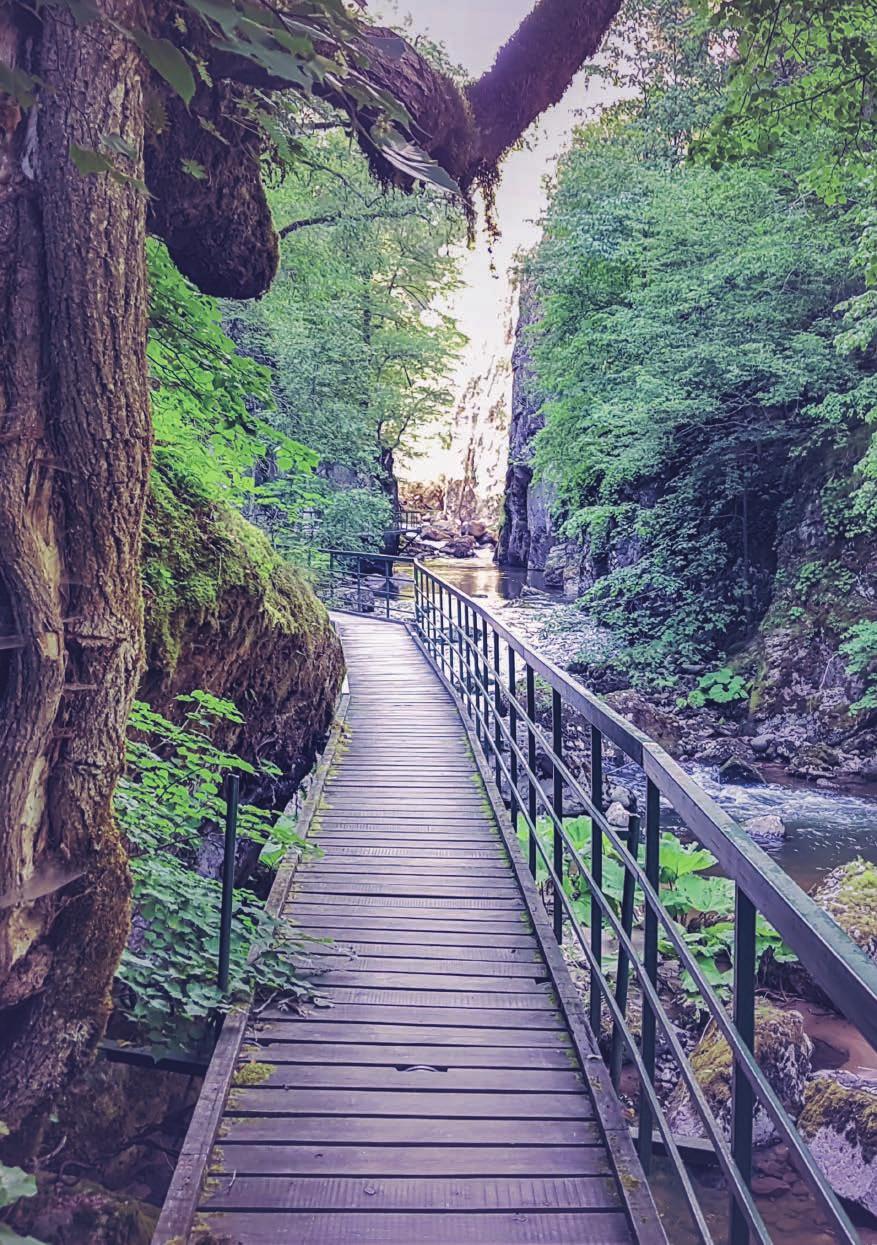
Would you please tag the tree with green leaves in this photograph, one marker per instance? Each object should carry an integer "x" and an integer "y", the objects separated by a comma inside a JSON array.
[{"x": 690, "y": 348}]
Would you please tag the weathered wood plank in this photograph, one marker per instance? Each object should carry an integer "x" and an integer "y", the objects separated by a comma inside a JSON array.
[
  {"x": 523, "y": 1193},
  {"x": 350, "y": 1054},
  {"x": 317, "y": 1028},
  {"x": 431, "y": 1228},
  {"x": 413, "y": 1074},
  {"x": 408, "y": 1160},
  {"x": 336, "y": 1130},
  {"x": 419, "y": 1104}
]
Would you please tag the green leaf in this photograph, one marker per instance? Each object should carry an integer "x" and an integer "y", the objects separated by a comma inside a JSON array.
[
  {"x": 167, "y": 61},
  {"x": 89, "y": 161},
  {"x": 20, "y": 85}
]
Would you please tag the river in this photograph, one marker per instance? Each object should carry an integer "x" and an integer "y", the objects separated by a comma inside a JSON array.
[{"x": 824, "y": 828}]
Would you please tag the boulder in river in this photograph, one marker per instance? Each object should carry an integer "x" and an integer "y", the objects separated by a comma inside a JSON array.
[
  {"x": 617, "y": 815},
  {"x": 839, "y": 1123},
  {"x": 740, "y": 773},
  {"x": 459, "y": 547},
  {"x": 849, "y": 896},
  {"x": 783, "y": 1051},
  {"x": 768, "y": 827}
]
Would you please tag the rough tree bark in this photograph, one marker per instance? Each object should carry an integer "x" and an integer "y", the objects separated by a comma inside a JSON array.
[
  {"x": 75, "y": 436},
  {"x": 75, "y": 445}
]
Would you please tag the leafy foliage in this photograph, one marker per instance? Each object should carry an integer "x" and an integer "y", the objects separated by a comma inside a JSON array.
[
  {"x": 203, "y": 398},
  {"x": 717, "y": 687},
  {"x": 354, "y": 329},
  {"x": 860, "y": 651},
  {"x": 169, "y": 796},
  {"x": 700, "y": 903},
  {"x": 694, "y": 355}
]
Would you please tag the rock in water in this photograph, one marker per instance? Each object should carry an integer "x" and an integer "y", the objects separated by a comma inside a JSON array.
[
  {"x": 459, "y": 547},
  {"x": 617, "y": 815},
  {"x": 849, "y": 896},
  {"x": 839, "y": 1123},
  {"x": 783, "y": 1051},
  {"x": 740, "y": 773},
  {"x": 768, "y": 827}
]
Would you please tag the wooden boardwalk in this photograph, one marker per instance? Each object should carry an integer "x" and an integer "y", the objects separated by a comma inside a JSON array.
[{"x": 439, "y": 1098}]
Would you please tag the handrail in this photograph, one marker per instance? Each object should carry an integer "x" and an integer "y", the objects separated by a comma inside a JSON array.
[
  {"x": 463, "y": 640},
  {"x": 341, "y": 581}
]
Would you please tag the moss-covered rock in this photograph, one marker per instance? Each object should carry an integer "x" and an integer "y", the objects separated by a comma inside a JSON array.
[
  {"x": 226, "y": 614},
  {"x": 783, "y": 1051},
  {"x": 839, "y": 1123},
  {"x": 849, "y": 896}
]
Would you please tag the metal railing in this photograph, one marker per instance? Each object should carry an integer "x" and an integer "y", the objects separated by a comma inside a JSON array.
[
  {"x": 365, "y": 583},
  {"x": 494, "y": 676}
]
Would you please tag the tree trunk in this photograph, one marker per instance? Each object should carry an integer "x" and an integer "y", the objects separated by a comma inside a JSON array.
[{"x": 75, "y": 447}]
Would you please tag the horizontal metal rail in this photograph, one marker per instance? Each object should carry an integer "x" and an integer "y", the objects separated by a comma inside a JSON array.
[{"x": 493, "y": 674}]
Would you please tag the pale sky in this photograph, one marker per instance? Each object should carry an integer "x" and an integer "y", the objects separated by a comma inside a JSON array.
[{"x": 473, "y": 31}]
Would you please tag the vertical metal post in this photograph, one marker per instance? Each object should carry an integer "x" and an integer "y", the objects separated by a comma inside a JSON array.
[
  {"x": 532, "y": 807},
  {"x": 232, "y": 798},
  {"x": 513, "y": 731},
  {"x": 650, "y": 961},
  {"x": 359, "y": 585},
  {"x": 557, "y": 805},
  {"x": 742, "y": 1097},
  {"x": 476, "y": 673},
  {"x": 622, "y": 974},
  {"x": 387, "y": 584},
  {"x": 417, "y": 621},
  {"x": 461, "y": 652},
  {"x": 596, "y": 996},
  {"x": 497, "y": 704},
  {"x": 332, "y": 578},
  {"x": 485, "y": 682},
  {"x": 431, "y": 584},
  {"x": 468, "y": 626}
]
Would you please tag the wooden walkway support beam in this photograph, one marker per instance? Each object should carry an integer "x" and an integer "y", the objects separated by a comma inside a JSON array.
[{"x": 447, "y": 1089}]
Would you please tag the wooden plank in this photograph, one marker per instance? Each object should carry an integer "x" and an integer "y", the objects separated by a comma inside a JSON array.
[
  {"x": 343, "y": 930},
  {"x": 520, "y": 1193},
  {"x": 351, "y": 1054},
  {"x": 449, "y": 1032},
  {"x": 359, "y": 969},
  {"x": 419, "y": 1104},
  {"x": 338, "y": 1130},
  {"x": 407, "y": 1160},
  {"x": 446, "y": 958},
  {"x": 413, "y": 1074},
  {"x": 432, "y": 1228},
  {"x": 400, "y": 981}
]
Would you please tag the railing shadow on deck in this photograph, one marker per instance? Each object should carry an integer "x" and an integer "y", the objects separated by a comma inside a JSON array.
[{"x": 493, "y": 675}]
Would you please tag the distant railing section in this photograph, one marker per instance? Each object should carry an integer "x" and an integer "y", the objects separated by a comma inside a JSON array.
[
  {"x": 364, "y": 583},
  {"x": 409, "y": 520},
  {"x": 494, "y": 675}
]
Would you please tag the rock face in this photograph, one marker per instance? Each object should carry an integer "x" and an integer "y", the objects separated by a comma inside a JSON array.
[
  {"x": 839, "y": 1123},
  {"x": 526, "y": 537},
  {"x": 225, "y": 614},
  {"x": 783, "y": 1051}
]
